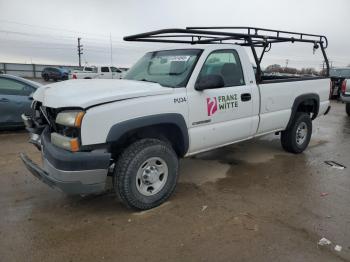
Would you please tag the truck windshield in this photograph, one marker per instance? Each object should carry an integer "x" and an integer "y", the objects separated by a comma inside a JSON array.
[
  {"x": 345, "y": 72},
  {"x": 171, "y": 68}
]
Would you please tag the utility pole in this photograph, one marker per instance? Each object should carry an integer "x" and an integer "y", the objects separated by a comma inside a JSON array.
[
  {"x": 287, "y": 61},
  {"x": 110, "y": 41},
  {"x": 80, "y": 51}
]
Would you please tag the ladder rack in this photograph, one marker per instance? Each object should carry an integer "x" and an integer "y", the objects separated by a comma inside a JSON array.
[{"x": 245, "y": 36}]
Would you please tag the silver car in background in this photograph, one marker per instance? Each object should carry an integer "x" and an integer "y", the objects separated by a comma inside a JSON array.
[{"x": 15, "y": 100}]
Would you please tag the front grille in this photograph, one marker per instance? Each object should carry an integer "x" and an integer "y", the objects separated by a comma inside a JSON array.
[{"x": 47, "y": 116}]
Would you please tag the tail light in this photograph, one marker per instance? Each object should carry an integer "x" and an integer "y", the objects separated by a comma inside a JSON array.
[
  {"x": 343, "y": 86},
  {"x": 74, "y": 76}
]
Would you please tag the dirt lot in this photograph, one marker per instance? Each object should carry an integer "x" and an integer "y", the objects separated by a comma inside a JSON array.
[{"x": 246, "y": 202}]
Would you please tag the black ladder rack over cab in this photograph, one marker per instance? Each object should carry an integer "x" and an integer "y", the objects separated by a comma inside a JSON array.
[{"x": 245, "y": 36}]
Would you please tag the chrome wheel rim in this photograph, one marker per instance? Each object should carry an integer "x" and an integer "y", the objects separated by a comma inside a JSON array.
[
  {"x": 151, "y": 176},
  {"x": 301, "y": 133}
]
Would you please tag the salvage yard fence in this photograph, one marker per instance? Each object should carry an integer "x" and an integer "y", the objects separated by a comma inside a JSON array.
[{"x": 28, "y": 70}]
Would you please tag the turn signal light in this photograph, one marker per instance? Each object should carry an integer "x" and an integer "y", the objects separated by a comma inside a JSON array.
[
  {"x": 74, "y": 145},
  {"x": 79, "y": 119}
]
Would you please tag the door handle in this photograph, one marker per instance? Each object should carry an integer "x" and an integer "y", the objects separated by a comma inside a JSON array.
[
  {"x": 246, "y": 97},
  {"x": 4, "y": 100}
]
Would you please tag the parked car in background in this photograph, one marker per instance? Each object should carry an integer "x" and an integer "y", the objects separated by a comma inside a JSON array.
[
  {"x": 54, "y": 74},
  {"x": 100, "y": 72},
  {"x": 15, "y": 99},
  {"x": 339, "y": 79},
  {"x": 124, "y": 71}
]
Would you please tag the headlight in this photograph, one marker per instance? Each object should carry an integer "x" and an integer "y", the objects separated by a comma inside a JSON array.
[
  {"x": 71, "y": 144},
  {"x": 70, "y": 118}
]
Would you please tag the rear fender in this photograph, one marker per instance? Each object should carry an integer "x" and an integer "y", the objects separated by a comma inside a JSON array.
[{"x": 305, "y": 99}]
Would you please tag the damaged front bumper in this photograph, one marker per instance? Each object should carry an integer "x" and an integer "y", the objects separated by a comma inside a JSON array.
[{"x": 77, "y": 173}]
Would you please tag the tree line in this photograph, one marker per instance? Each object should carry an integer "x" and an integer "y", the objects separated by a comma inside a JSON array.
[{"x": 290, "y": 70}]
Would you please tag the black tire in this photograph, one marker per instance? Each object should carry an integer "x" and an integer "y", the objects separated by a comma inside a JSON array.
[
  {"x": 347, "y": 108},
  {"x": 46, "y": 78},
  {"x": 128, "y": 165},
  {"x": 289, "y": 137}
]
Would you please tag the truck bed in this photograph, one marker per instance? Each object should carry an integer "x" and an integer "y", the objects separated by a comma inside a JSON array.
[{"x": 278, "y": 96}]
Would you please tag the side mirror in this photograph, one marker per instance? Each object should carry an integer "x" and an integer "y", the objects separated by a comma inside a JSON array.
[{"x": 209, "y": 82}]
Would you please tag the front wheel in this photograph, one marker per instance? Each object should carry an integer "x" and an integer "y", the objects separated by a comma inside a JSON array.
[
  {"x": 347, "y": 108},
  {"x": 297, "y": 137},
  {"x": 146, "y": 174}
]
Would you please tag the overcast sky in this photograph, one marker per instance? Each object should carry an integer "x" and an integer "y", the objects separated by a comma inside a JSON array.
[{"x": 46, "y": 31}]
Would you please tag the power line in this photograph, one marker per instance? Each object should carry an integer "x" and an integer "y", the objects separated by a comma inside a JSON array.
[
  {"x": 90, "y": 40},
  {"x": 50, "y": 28}
]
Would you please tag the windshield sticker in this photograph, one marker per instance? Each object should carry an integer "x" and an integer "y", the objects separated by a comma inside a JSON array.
[
  {"x": 184, "y": 58},
  {"x": 221, "y": 103}
]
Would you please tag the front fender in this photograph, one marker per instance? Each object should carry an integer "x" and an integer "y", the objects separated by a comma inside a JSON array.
[{"x": 119, "y": 129}]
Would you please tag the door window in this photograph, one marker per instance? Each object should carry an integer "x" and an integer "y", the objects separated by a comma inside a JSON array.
[
  {"x": 104, "y": 69},
  {"x": 225, "y": 63},
  {"x": 115, "y": 70},
  {"x": 13, "y": 87}
]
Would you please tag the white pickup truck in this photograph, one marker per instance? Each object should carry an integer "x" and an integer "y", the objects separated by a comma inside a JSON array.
[
  {"x": 99, "y": 72},
  {"x": 172, "y": 103}
]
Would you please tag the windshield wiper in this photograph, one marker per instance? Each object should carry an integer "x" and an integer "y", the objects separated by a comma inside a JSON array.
[
  {"x": 146, "y": 80},
  {"x": 150, "y": 81}
]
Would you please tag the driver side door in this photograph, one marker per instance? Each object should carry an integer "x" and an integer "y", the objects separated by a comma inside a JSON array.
[{"x": 222, "y": 115}]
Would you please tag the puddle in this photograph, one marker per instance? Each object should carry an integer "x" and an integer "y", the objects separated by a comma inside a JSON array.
[
  {"x": 256, "y": 151},
  {"x": 198, "y": 171},
  {"x": 317, "y": 142}
]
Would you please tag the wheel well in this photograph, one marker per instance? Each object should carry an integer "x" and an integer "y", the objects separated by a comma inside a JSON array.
[
  {"x": 308, "y": 103},
  {"x": 169, "y": 133},
  {"x": 309, "y": 106}
]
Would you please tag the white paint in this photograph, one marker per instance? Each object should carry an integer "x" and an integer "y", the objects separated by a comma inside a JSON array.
[{"x": 88, "y": 92}]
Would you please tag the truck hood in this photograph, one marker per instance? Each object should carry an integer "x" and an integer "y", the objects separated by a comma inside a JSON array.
[{"x": 89, "y": 92}]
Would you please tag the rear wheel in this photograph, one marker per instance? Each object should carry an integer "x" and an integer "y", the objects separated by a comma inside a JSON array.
[
  {"x": 46, "y": 78},
  {"x": 146, "y": 174},
  {"x": 347, "y": 108},
  {"x": 297, "y": 137}
]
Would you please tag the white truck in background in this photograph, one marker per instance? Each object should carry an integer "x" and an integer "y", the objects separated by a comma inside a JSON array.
[
  {"x": 97, "y": 72},
  {"x": 172, "y": 103}
]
